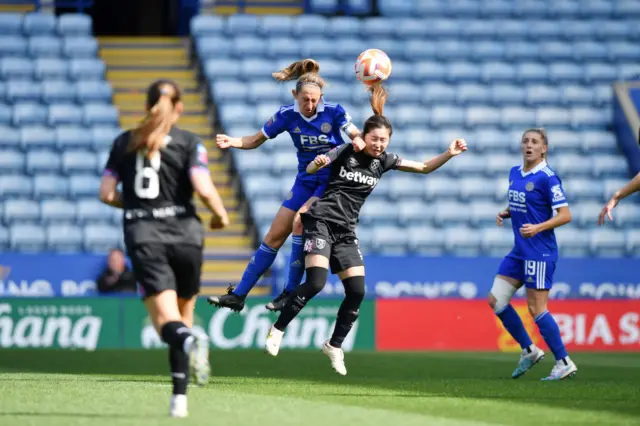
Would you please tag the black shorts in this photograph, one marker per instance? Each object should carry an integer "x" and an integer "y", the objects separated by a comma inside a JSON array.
[
  {"x": 158, "y": 267},
  {"x": 337, "y": 244}
]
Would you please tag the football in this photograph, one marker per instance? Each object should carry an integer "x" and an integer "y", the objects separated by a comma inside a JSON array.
[{"x": 373, "y": 66}]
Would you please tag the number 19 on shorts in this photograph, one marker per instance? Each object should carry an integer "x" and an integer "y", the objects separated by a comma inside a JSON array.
[{"x": 538, "y": 274}]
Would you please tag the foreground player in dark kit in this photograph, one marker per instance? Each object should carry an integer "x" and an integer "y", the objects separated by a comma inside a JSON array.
[
  {"x": 160, "y": 166},
  {"x": 329, "y": 225}
]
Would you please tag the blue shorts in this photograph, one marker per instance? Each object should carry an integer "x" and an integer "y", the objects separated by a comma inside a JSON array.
[
  {"x": 302, "y": 190},
  {"x": 536, "y": 274}
]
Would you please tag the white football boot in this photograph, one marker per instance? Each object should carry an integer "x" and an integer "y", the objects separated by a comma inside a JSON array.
[
  {"x": 336, "y": 355},
  {"x": 527, "y": 360},
  {"x": 274, "y": 339},
  {"x": 563, "y": 369},
  {"x": 198, "y": 350},
  {"x": 178, "y": 406}
]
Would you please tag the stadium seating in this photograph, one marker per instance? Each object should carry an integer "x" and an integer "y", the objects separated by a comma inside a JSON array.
[
  {"x": 484, "y": 73},
  {"x": 56, "y": 125}
]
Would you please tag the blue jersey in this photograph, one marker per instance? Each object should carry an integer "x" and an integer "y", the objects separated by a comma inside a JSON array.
[
  {"x": 311, "y": 136},
  {"x": 533, "y": 197}
]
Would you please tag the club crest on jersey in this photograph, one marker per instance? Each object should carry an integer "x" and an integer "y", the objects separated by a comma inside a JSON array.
[
  {"x": 529, "y": 186},
  {"x": 326, "y": 127},
  {"x": 320, "y": 243},
  {"x": 353, "y": 162},
  {"x": 374, "y": 165},
  {"x": 296, "y": 130}
]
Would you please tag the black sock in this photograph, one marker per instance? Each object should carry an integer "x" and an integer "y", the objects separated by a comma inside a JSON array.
[
  {"x": 316, "y": 279},
  {"x": 354, "y": 288},
  {"x": 179, "y": 362},
  {"x": 174, "y": 334}
]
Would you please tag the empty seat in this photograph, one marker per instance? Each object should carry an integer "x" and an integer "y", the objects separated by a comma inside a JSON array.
[
  {"x": 11, "y": 162},
  {"x": 58, "y": 91},
  {"x": 206, "y": 25},
  {"x": 39, "y": 24},
  {"x": 471, "y": 188},
  {"x": 583, "y": 189},
  {"x": 102, "y": 137},
  {"x": 572, "y": 241},
  {"x": 610, "y": 166},
  {"x": 12, "y": 45},
  {"x": 50, "y": 185},
  {"x": 4, "y": 239},
  {"x": 241, "y": 24},
  {"x": 51, "y": 68},
  {"x": 86, "y": 68},
  {"x": 64, "y": 238},
  {"x": 576, "y": 165},
  {"x": 427, "y": 240},
  {"x": 15, "y": 186},
  {"x": 483, "y": 213},
  {"x": 29, "y": 114},
  {"x": 101, "y": 238},
  {"x": 91, "y": 210},
  {"x": 590, "y": 118},
  {"x": 389, "y": 239},
  {"x": 462, "y": 241},
  {"x": 281, "y": 46},
  {"x": 94, "y": 91},
  {"x": 44, "y": 46},
  {"x": 75, "y": 24},
  {"x": 84, "y": 185},
  {"x": 39, "y": 161},
  {"x": 57, "y": 211},
  {"x": 78, "y": 161},
  {"x": 552, "y": 117},
  {"x": 449, "y": 213},
  {"x": 584, "y": 213},
  {"x": 540, "y": 94},
  {"x": 72, "y": 137},
  {"x": 479, "y": 117},
  {"x": 100, "y": 114},
  {"x": 224, "y": 90},
  {"x": 11, "y": 23},
  {"x": 607, "y": 243},
  {"x": 440, "y": 188},
  {"x": 23, "y": 91},
  {"x": 413, "y": 212},
  {"x": 21, "y": 210},
  {"x": 497, "y": 242},
  {"x": 378, "y": 212},
  {"x": 37, "y": 137},
  {"x": 80, "y": 47},
  {"x": 65, "y": 114},
  {"x": 27, "y": 238},
  {"x": 626, "y": 215}
]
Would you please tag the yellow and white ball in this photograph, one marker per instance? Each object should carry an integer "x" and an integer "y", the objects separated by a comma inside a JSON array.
[{"x": 373, "y": 66}]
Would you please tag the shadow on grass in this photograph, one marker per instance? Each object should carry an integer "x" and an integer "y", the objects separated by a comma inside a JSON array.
[
  {"x": 414, "y": 375},
  {"x": 72, "y": 415}
]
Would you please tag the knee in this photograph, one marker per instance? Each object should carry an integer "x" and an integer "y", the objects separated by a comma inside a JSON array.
[
  {"x": 500, "y": 295},
  {"x": 297, "y": 225},
  {"x": 274, "y": 239},
  {"x": 536, "y": 307},
  {"x": 492, "y": 301},
  {"x": 354, "y": 288},
  {"x": 316, "y": 279}
]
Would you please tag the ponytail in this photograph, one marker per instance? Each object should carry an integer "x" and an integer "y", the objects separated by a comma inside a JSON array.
[
  {"x": 151, "y": 132},
  {"x": 297, "y": 69},
  {"x": 379, "y": 95}
]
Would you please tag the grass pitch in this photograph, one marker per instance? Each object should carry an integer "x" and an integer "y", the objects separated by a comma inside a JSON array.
[{"x": 49, "y": 387}]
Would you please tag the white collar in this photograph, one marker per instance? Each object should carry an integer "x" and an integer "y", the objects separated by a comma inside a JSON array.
[
  {"x": 319, "y": 108},
  {"x": 535, "y": 170}
]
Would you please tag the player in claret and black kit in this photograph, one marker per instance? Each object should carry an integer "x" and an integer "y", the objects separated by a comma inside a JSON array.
[
  {"x": 329, "y": 225},
  {"x": 160, "y": 166}
]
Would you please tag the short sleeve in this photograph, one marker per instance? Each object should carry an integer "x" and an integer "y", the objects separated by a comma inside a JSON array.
[
  {"x": 337, "y": 152},
  {"x": 113, "y": 162},
  {"x": 391, "y": 162},
  {"x": 198, "y": 157},
  {"x": 342, "y": 119},
  {"x": 555, "y": 193},
  {"x": 275, "y": 125}
]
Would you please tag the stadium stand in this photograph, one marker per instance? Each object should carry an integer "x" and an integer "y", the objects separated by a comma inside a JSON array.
[{"x": 458, "y": 70}]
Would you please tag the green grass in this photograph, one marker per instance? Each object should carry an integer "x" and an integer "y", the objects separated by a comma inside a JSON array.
[{"x": 48, "y": 387}]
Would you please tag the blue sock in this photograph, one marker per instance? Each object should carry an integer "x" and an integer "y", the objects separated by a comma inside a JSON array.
[
  {"x": 296, "y": 264},
  {"x": 551, "y": 334},
  {"x": 260, "y": 262},
  {"x": 513, "y": 324}
]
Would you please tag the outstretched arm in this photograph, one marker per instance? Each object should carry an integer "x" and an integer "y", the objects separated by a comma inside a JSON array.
[
  {"x": 457, "y": 147},
  {"x": 324, "y": 160},
  {"x": 244, "y": 142},
  {"x": 622, "y": 193}
]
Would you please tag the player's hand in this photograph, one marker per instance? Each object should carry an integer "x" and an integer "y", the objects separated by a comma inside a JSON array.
[
  {"x": 219, "y": 222},
  {"x": 606, "y": 211},
  {"x": 457, "y": 147},
  {"x": 358, "y": 144},
  {"x": 321, "y": 161},
  {"x": 224, "y": 141},
  {"x": 501, "y": 217},
  {"x": 528, "y": 230}
]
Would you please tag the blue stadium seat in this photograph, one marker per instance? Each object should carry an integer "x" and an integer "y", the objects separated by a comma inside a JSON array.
[
  {"x": 583, "y": 189},
  {"x": 610, "y": 166},
  {"x": 221, "y": 68},
  {"x": 632, "y": 243},
  {"x": 39, "y": 24},
  {"x": 479, "y": 29},
  {"x": 100, "y": 114},
  {"x": 39, "y": 161},
  {"x": 623, "y": 51},
  {"x": 563, "y": 141},
  {"x": 248, "y": 46},
  {"x": 51, "y": 68},
  {"x": 553, "y": 117},
  {"x": 207, "y": 25},
  {"x": 44, "y": 46},
  {"x": 276, "y": 25},
  {"x": 11, "y": 162},
  {"x": 11, "y": 23},
  {"x": 391, "y": 240},
  {"x": 472, "y": 188},
  {"x": 29, "y": 113},
  {"x": 600, "y": 72},
  {"x": 320, "y": 48},
  {"x": 21, "y": 211},
  {"x": 412, "y": 212},
  {"x": 102, "y": 157},
  {"x": 488, "y": 51},
  {"x": 249, "y": 161},
  {"x": 75, "y": 24},
  {"x": 462, "y": 241},
  {"x": 590, "y": 51},
  {"x": 569, "y": 166},
  {"x": 451, "y": 213},
  {"x": 584, "y": 213},
  {"x": 359, "y": 7},
  {"x": 84, "y": 185},
  {"x": 576, "y": 95},
  {"x": 552, "y": 51},
  {"x": 447, "y": 116},
  {"x": 37, "y": 137},
  {"x": 101, "y": 238},
  {"x": 4, "y": 238},
  {"x": 482, "y": 117},
  {"x": 473, "y": 93},
  {"x": 12, "y": 46},
  {"x": 6, "y": 118},
  {"x": 466, "y": 165},
  {"x": 53, "y": 211},
  {"x": 563, "y": 9},
  {"x": 531, "y": 72},
  {"x": 102, "y": 137},
  {"x": 253, "y": 68},
  {"x": 440, "y": 188},
  {"x": 54, "y": 91},
  {"x": 377, "y": 28},
  {"x": 590, "y": 118},
  {"x": 15, "y": 186},
  {"x": 459, "y": 71},
  {"x": 16, "y": 68},
  {"x": 410, "y": 29},
  {"x": 607, "y": 243},
  {"x": 242, "y": 24},
  {"x": 63, "y": 238},
  {"x": 427, "y": 241},
  {"x": 23, "y": 91},
  {"x": 50, "y": 185},
  {"x": 91, "y": 210},
  {"x": 405, "y": 187},
  {"x": 260, "y": 91},
  {"x": 80, "y": 47},
  {"x": 429, "y": 71},
  {"x": 490, "y": 141},
  {"x": 260, "y": 186},
  {"x": 517, "y": 117},
  {"x": 265, "y": 210},
  {"x": 282, "y": 46},
  {"x": 85, "y": 68},
  {"x": 627, "y": 8},
  {"x": 80, "y": 161},
  {"x": 350, "y": 47},
  {"x": 598, "y": 141},
  {"x": 613, "y": 29},
  {"x": 71, "y": 137},
  {"x": 415, "y": 50},
  {"x": 565, "y": 72},
  {"x": 393, "y": 8},
  {"x": 64, "y": 114},
  {"x": 328, "y": 7},
  {"x": 542, "y": 30},
  {"x": 626, "y": 216},
  {"x": 224, "y": 90},
  {"x": 237, "y": 113},
  {"x": 209, "y": 47},
  {"x": 339, "y": 26},
  {"x": 497, "y": 242},
  {"x": 542, "y": 94},
  {"x": 579, "y": 30},
  {"x": 499, "y": 165},
  {"x": 27, "y": 238},
  {"x": 377, "y": 211}
]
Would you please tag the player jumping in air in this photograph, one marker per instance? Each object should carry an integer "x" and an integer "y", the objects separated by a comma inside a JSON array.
[
  {"x": 160, "y": 166},
  {"x": 329, "y": 224},
  {"x": 535, "y": 192},
  {"x": 314, "y": 126}
]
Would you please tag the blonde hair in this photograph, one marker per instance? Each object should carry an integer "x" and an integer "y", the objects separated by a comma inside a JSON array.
[
  {"x": 305, "y": 71},
  {"x": 151, "y": 132}
]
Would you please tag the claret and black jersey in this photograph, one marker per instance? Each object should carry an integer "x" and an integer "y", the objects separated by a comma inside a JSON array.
[
  {"x": 157, "y": 193},
  {"x": 353, "y": 177}
]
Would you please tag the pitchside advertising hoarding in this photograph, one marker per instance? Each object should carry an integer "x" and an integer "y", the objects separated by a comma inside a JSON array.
[
  {"x": 59, "y": 275},
  {"x": 91, "y": 323}
]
